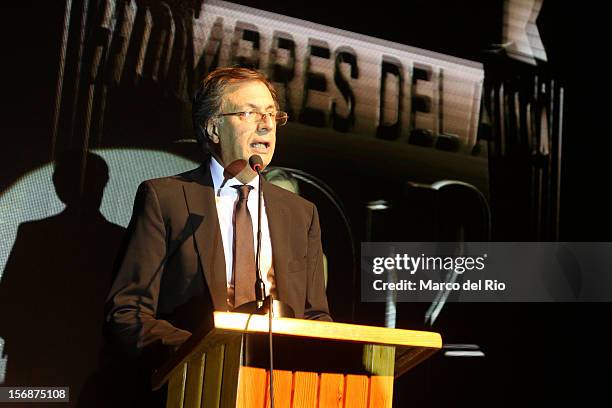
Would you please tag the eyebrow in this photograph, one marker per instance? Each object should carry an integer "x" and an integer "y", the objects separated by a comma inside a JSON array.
[{"x": 253, "y": 106}]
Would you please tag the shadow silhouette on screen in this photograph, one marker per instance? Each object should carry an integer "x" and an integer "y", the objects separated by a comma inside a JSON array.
[{"x": 56, "y": 279}]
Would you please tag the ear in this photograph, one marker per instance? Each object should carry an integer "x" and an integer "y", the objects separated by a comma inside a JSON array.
[{"x": 212, "y": 131}]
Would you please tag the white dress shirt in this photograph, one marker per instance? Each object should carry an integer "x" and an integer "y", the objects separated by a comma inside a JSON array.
[{"x": 225, "y": 198}]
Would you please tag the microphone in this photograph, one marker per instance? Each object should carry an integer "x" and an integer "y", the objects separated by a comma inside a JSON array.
[{"x": 256, "y": 163}]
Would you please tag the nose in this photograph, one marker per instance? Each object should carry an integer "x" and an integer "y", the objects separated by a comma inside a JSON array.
[{"x": 267, "y": 122}]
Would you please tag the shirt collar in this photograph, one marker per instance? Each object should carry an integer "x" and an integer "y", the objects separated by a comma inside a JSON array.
[{"x": 216, "y": 172}]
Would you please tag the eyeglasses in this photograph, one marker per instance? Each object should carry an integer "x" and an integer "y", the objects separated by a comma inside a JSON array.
[{"x": 255, "y": 117}]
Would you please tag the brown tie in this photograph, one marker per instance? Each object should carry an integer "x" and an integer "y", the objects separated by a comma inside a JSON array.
[{"x": 244, "y": 255}]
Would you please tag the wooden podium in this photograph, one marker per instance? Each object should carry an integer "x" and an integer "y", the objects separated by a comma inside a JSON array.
[{"x": 316, "y": 364}]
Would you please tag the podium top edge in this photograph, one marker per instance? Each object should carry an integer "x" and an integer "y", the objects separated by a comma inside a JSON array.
[{"x": 245, "y": 323}]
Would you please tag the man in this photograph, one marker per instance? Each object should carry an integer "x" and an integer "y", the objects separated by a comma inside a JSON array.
[{"x": 183, "y": 258}]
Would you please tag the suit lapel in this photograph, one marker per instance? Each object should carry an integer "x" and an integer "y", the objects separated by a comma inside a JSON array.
[
  {"x": 200, "y": 197},
  {"x": 278, "y": 223}
]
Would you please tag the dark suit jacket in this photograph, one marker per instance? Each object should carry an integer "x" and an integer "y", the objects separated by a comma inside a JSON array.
[{"x": 172, "y": 275}]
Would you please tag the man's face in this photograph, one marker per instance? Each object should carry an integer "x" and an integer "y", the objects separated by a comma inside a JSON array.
[{"x": 238, "y": 139}]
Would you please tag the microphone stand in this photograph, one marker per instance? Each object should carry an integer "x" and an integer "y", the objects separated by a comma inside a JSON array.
[
  {"x": 271, "y": 349},
  {"x": 260, "y": 289}
]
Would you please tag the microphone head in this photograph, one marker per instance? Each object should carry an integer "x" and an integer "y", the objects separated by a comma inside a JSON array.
[{"x": 256, "y": 163}]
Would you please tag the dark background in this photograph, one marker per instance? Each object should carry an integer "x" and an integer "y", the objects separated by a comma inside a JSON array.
[{"x": 545, "y": 353}]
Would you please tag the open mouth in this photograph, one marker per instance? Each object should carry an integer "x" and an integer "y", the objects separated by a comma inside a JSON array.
[{"x": 260, "y": 145}]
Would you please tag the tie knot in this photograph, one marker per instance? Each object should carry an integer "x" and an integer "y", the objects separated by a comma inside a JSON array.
[{"x": 243, "y": 191}]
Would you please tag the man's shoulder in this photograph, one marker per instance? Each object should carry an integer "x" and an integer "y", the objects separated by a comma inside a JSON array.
[
  {"x": 289, "y": 198},
  {"x": 171, "y": 183}
]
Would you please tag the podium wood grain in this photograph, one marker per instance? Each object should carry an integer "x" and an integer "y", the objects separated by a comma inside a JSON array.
[
  {"x": 306, "y": 385},
  {"x": 283, "y": 389},
  {"x": 356, "y": 391},
  {"x": 176, "y": 387},
  {"x": 195, "y": 380},
  {"x": 213, "y": 371},
  {"x": 331, "y": 390},
  {"x": 252, "y": 386}
]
